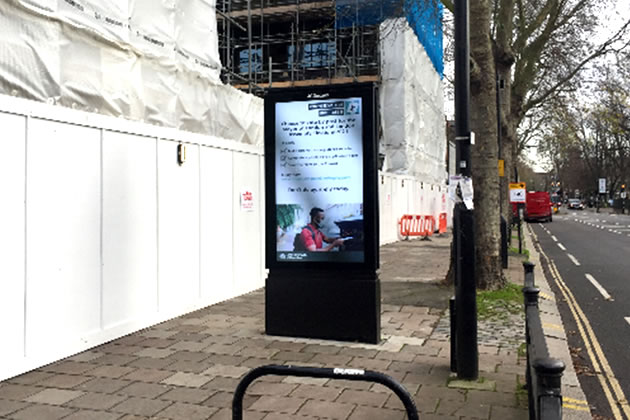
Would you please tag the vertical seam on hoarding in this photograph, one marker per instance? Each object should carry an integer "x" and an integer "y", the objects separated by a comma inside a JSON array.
[
  {"x": 199, "y": 231},
  {"x": 234, "y": 209},
  {"x": 261, "y": 215},
  {"x": 101, "y": 259},
  {"x": 157, "y": 224},
  {"x": 25, "y": 297}
]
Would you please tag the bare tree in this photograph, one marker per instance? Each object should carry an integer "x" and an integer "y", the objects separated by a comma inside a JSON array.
[
  {"x": 538, "y": 47},
  {"x": 593, "y": 137}
]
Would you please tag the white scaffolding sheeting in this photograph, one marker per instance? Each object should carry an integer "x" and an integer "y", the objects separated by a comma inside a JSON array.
[
  {"x": 412, "y": 106},
  {"x": 144, "y": 60}
]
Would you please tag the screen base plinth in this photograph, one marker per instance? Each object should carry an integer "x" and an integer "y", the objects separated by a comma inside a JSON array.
[{"x": 330, "y": 305}]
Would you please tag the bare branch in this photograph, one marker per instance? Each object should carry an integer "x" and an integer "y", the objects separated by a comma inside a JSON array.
[{"x": 601, "y": 50}]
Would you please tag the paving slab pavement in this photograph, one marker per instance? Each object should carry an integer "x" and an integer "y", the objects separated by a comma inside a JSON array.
[{"x": 188, "y": 367}]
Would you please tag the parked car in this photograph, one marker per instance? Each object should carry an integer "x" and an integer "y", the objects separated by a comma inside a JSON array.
[{"x": 575, "y": 204}]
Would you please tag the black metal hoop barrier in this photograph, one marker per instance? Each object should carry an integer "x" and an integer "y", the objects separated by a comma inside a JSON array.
[{"x": 315, "y": 372}]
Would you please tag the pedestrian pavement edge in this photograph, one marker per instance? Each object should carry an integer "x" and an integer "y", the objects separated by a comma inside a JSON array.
[{"x": 575, "y": 405}]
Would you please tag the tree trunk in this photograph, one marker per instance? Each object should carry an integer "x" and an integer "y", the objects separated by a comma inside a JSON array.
[
  {"x": 504, "y": 60},
  {"x": 485, "y": 151},
  {"x": 508, "y": 148}
]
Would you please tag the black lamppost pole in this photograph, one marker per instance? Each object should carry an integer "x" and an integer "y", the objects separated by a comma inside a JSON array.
[
  {"x": 462, "y": 88},
  {"x": 467, "y": 356}
]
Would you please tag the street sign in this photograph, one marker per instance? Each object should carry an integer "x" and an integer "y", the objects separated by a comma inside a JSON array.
[
  {"x": 623, "y": 195},
  {"x": 517, "y": 192},
  {"x": 602, "y": 185}
]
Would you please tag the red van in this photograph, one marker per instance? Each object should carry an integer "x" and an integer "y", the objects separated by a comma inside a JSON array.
[{"x": 537, "y": 207}]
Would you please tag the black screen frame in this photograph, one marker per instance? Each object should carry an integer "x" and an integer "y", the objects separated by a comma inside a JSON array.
[{"x": 367, "y": 93}]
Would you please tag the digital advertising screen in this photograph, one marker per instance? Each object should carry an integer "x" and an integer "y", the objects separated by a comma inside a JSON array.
[{"x": 319, "y": 179}]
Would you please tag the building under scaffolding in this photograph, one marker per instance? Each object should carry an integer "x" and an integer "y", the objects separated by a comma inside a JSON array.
[
  {"x": 280, "y": 43},
  {"x": 395, "y": 43}
]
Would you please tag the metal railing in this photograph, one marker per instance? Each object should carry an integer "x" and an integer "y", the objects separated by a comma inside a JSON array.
[
  {"x": 543, "y": 373},
  {"x": 315, "y": 372}
]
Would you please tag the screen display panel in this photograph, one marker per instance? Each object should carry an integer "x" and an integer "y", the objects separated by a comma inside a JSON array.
[{"x": 319, "y": 180}]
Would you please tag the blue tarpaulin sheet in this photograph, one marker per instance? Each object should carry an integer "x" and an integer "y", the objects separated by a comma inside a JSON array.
[{"x": 423, "y": 16}]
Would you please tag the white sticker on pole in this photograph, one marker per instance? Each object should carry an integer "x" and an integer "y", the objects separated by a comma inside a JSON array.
[
  {"x": 453, "y": 182},
  {"x": 468, "y": 192}
]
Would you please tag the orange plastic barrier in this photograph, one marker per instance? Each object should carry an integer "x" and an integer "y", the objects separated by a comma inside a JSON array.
[
  {"x": 442, "y": 223},
  {"x": 416, "y": 225},
  {"x": 429, "y": 225}
]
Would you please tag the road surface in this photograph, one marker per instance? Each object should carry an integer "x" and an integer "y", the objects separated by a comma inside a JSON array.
[{"x": 587, "y": 256}]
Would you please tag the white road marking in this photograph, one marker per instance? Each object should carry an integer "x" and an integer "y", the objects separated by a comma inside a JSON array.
[
  {"x": 554, "y": 238},
  {"x": 572, "y": 258},
  {"x": 599, "y": 287},
  {"x": 627, "y": 319},
  {"x": 561, "y": 246}
]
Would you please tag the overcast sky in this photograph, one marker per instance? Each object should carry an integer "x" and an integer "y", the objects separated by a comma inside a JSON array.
[{"x": 611, "y": 22}]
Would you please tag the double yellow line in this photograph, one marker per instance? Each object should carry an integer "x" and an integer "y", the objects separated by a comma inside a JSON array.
[
  {"x": 614, "y": 394},
  {"x": 573, "y": 404}
]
